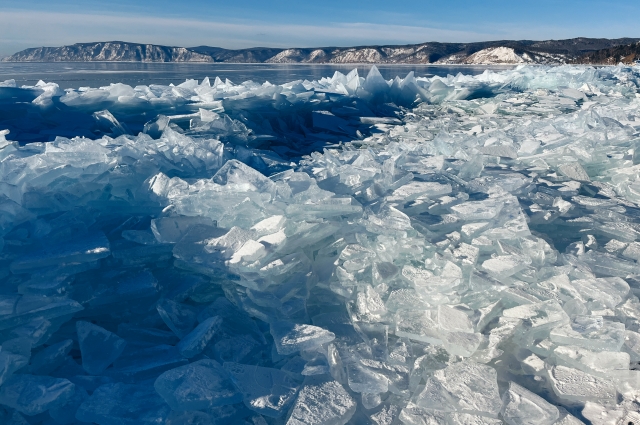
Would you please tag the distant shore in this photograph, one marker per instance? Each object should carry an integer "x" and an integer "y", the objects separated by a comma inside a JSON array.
[
  {"x": 502, "y": 52},
  {"x": 505, "y": 65}
]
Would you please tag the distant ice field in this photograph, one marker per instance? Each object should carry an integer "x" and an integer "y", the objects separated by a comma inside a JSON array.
[
  {"x": 348, "y": 249},
  {"x": 97, "y": 74}
]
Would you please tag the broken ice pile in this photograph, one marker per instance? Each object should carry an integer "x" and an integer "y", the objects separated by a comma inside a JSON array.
[
  {"x": 475, "y": 262},
  {"x": 286, "y": 120}
]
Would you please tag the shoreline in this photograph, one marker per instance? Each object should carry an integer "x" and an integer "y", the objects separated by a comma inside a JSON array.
[
  {"x": 443, "y": 65},
  {"x": 298, "y": 63}
]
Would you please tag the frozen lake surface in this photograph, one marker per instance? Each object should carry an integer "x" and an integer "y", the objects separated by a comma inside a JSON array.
[
  {"x": 97, "y": 74},
  {"x": 353, "y": 248}
]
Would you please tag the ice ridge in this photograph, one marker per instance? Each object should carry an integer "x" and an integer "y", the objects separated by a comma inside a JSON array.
[
  {"x": 471, "y": 259},
  {"x": 288, "y": 120}
]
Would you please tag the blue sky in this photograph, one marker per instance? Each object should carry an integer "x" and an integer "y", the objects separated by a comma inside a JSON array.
[{"x": 289, "y": 23}]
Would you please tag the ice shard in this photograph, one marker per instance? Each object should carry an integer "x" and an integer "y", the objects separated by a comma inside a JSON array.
[
  {"x": 99, "y": 347},
  {"x": 197, "y": 386},
  {"x": 322, "y": 403},
  {"x": 268, "y": 391}
]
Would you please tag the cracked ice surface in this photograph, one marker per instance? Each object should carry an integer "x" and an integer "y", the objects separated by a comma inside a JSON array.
[{"x": 467, "y": 255}]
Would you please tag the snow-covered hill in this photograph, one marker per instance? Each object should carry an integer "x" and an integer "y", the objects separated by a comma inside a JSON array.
[
  {"x": 503, "y": 55},
  {"x": 115, "y": 51},
  {"x": 506, "y": 52}
]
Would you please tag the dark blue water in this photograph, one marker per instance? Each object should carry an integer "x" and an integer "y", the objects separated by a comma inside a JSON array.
[{"x": 97, "y": 74}]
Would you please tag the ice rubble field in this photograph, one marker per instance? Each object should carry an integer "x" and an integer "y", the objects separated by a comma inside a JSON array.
[{"x": 468, "y": 254}]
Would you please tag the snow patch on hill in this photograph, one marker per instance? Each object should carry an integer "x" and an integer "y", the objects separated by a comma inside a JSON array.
[{"x": 498, "y": 55}]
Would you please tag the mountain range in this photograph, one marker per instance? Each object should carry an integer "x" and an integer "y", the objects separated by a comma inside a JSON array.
[{"x": 575, "y": 50}]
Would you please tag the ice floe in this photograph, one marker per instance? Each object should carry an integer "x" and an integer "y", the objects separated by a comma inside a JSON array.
[{"x": 345, "y": 251}]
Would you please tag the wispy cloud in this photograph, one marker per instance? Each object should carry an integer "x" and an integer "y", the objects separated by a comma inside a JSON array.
[{"x": 21, "y": 28}]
